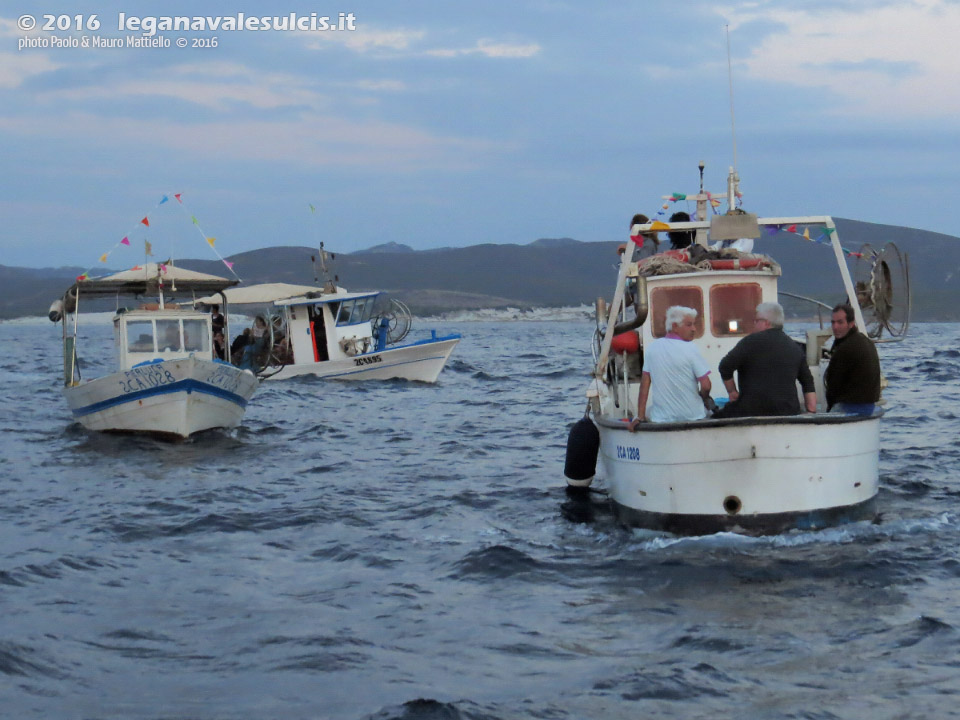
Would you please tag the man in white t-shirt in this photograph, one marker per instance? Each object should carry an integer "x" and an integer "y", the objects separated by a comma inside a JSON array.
[{"x": 675, "y": 367}]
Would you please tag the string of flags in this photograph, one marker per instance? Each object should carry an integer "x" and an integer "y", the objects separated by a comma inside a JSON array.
[
  {"x": 823, "y": 238},
  {"x": 147, "y": 245}
]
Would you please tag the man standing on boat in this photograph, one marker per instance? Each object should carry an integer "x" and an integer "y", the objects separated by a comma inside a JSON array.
[
  {"x": 768, "y": 364},
  {"x": 853, "y": 375},
  {"x": 676, "y": 368}
]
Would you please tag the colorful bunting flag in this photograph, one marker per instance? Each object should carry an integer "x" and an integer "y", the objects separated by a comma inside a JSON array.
[
  {"x": 194, "y": 220},
  {"x": 103, "y": 258},
  {"x": 211, "y": 241},
  {"x": 145, "y": 221},
  {"x": 125, "y": 241},
  {"x": 163, "y": 200},
  {"x": 81, "y": 278},
  {"x": 806, "y": 233},
  {"x": 177, "y": 196},
  {"x": 312, "y": 208},
  {"x": 228, "y": 264},
  {"x": 657, "y": 225}
]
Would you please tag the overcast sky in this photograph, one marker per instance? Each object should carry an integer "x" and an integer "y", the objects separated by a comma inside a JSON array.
[{"x": 451, "y": 123}]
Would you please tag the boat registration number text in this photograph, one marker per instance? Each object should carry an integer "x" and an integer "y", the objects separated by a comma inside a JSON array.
[
  {"x": 627, "y": 453},
  {"x": 367, "y": 360},
  {"x": 145, "y": 378},
  {"x": 227, "y": 378}
]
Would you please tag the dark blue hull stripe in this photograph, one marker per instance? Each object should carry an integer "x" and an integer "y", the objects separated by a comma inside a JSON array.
[{"x": 188, "y": 386}]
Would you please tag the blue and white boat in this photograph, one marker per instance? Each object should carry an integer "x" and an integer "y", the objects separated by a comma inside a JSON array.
[
  {"x": 168, "y": 380},
  {"x": 339, "y": 335}
]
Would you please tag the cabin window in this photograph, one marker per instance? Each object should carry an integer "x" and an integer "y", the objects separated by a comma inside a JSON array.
[
  {"x": 196, "y": 337},
  {"x": 733, "y": 308},
  {"x": 168, "y": 335},
  {"x": 356, "y": 311},
  {"x": 140, "y": 336},
  {"x": 661, "y": 299}
]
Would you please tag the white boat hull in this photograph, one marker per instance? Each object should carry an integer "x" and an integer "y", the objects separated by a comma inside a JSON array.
[
  {"x": 421, "y": 361},
  {"x": 755, "y": 475},
  {"x": 175, "y": 398}
]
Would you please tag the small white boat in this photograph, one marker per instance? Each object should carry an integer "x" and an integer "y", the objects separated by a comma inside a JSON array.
[
  {"x": 168, "y": 380},
  {"x": 340, "y": 335},
  {"x": 755, "y": 475}
]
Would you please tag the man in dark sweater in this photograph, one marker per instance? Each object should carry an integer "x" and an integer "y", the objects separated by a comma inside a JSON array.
[
  {"x": 853, "y": 375},
  {"x": 768, "y": 364}
]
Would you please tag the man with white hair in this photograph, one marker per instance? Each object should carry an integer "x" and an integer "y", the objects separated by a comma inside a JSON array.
[
  {"x": 675, "y": 368},
  {"x": 768, "y": 364}
]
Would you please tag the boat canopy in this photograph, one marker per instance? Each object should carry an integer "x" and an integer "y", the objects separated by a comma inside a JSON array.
[
  {"x": 262, "y": 294},
  {"x": 327, "y": 298},
  {"x": 146, "y": 279}
]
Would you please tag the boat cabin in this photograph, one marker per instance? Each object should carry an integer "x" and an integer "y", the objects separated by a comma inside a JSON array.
[
  {"x": 725, "y": 302},
  {"x": 330, "y": 326},
  {"x": 146, "y": 335}
]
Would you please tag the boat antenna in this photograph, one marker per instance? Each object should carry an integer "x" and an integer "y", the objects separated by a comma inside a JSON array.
[
  {"x": 733, "y": 122},
  {"x": 701, "y": 166}
]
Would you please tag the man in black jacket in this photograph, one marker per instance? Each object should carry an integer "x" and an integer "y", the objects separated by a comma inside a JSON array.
[
  {"x": 768, "y": 364},
  {"x": 853, "y": 375}
]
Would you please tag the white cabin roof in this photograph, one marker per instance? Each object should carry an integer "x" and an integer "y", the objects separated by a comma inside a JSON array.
[{"x": 261, "y": 294}]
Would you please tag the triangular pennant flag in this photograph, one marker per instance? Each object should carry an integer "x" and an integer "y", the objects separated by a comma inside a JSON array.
[
  {"x": 103, "y": 258},
  {"x": 177, "y": 196},
  {"x": 228, "y": 264},
  {"x": 163, "y": 268},
  {"x": 194, "y": 220},
  {"x": 148, "y": 248},
  {"x": 211, "y": 241},
  {"x": 145, "y": 221},
  {"x": 792, "y": 229},
  {"x": 312, "y": 208},
  {"x": 666, "y": 206},
  {"x": 714, "y": 202},
  {"x": 677, "y": 196},
  {"x": 81, "y": 278},
  {"x": 638, "y": 239},
  {"x": 125, "y": 241},
  {"x": 829, "y": 231},
  {"x": 657, "y": 225},
  {"x": 163, "y": 200},
  {"x": 806, "y": 233}
]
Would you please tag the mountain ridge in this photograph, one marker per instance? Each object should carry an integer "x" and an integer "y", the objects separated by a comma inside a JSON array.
[{"x": 547, "y": 272}]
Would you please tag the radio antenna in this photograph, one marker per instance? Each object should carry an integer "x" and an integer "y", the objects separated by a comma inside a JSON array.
[{"x": 733, "y": 121}]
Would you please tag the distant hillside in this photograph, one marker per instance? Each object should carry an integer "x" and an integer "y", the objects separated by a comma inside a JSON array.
[{"x": 546, "y": 272}]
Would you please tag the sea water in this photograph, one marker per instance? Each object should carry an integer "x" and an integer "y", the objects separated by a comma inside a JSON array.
[{"x": 402, "y": 550}]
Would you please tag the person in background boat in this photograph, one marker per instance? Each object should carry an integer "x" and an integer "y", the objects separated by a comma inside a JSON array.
[
  {"x": 171, "y": 339},
  {"x": 237, "y": 346},
  {"x": 852, "y": 378},
  {"x": 217, "y": 323},
  {"x": 649, "y": 241},
  {"x": 680, "y": 239},
  {"x": 675, "y": 367},
  {"x": 768, "y": 364},
  {"x": 256, "y": 345}
]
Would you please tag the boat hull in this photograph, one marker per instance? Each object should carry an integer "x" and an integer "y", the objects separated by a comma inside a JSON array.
[
  {"x": 174, "y": 398},
  {"x": 751, "y": 475},
  {"x": 422, "y": 362}
]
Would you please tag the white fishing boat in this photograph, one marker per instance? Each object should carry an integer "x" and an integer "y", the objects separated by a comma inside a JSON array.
[
  {"x": 168, "y": 380},
  {"x": 745, "y": 474},
  {"x": 332, "y": 333}
]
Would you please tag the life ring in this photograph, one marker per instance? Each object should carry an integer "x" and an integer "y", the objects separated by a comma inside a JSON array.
[{"x": 735, "y": 264}]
